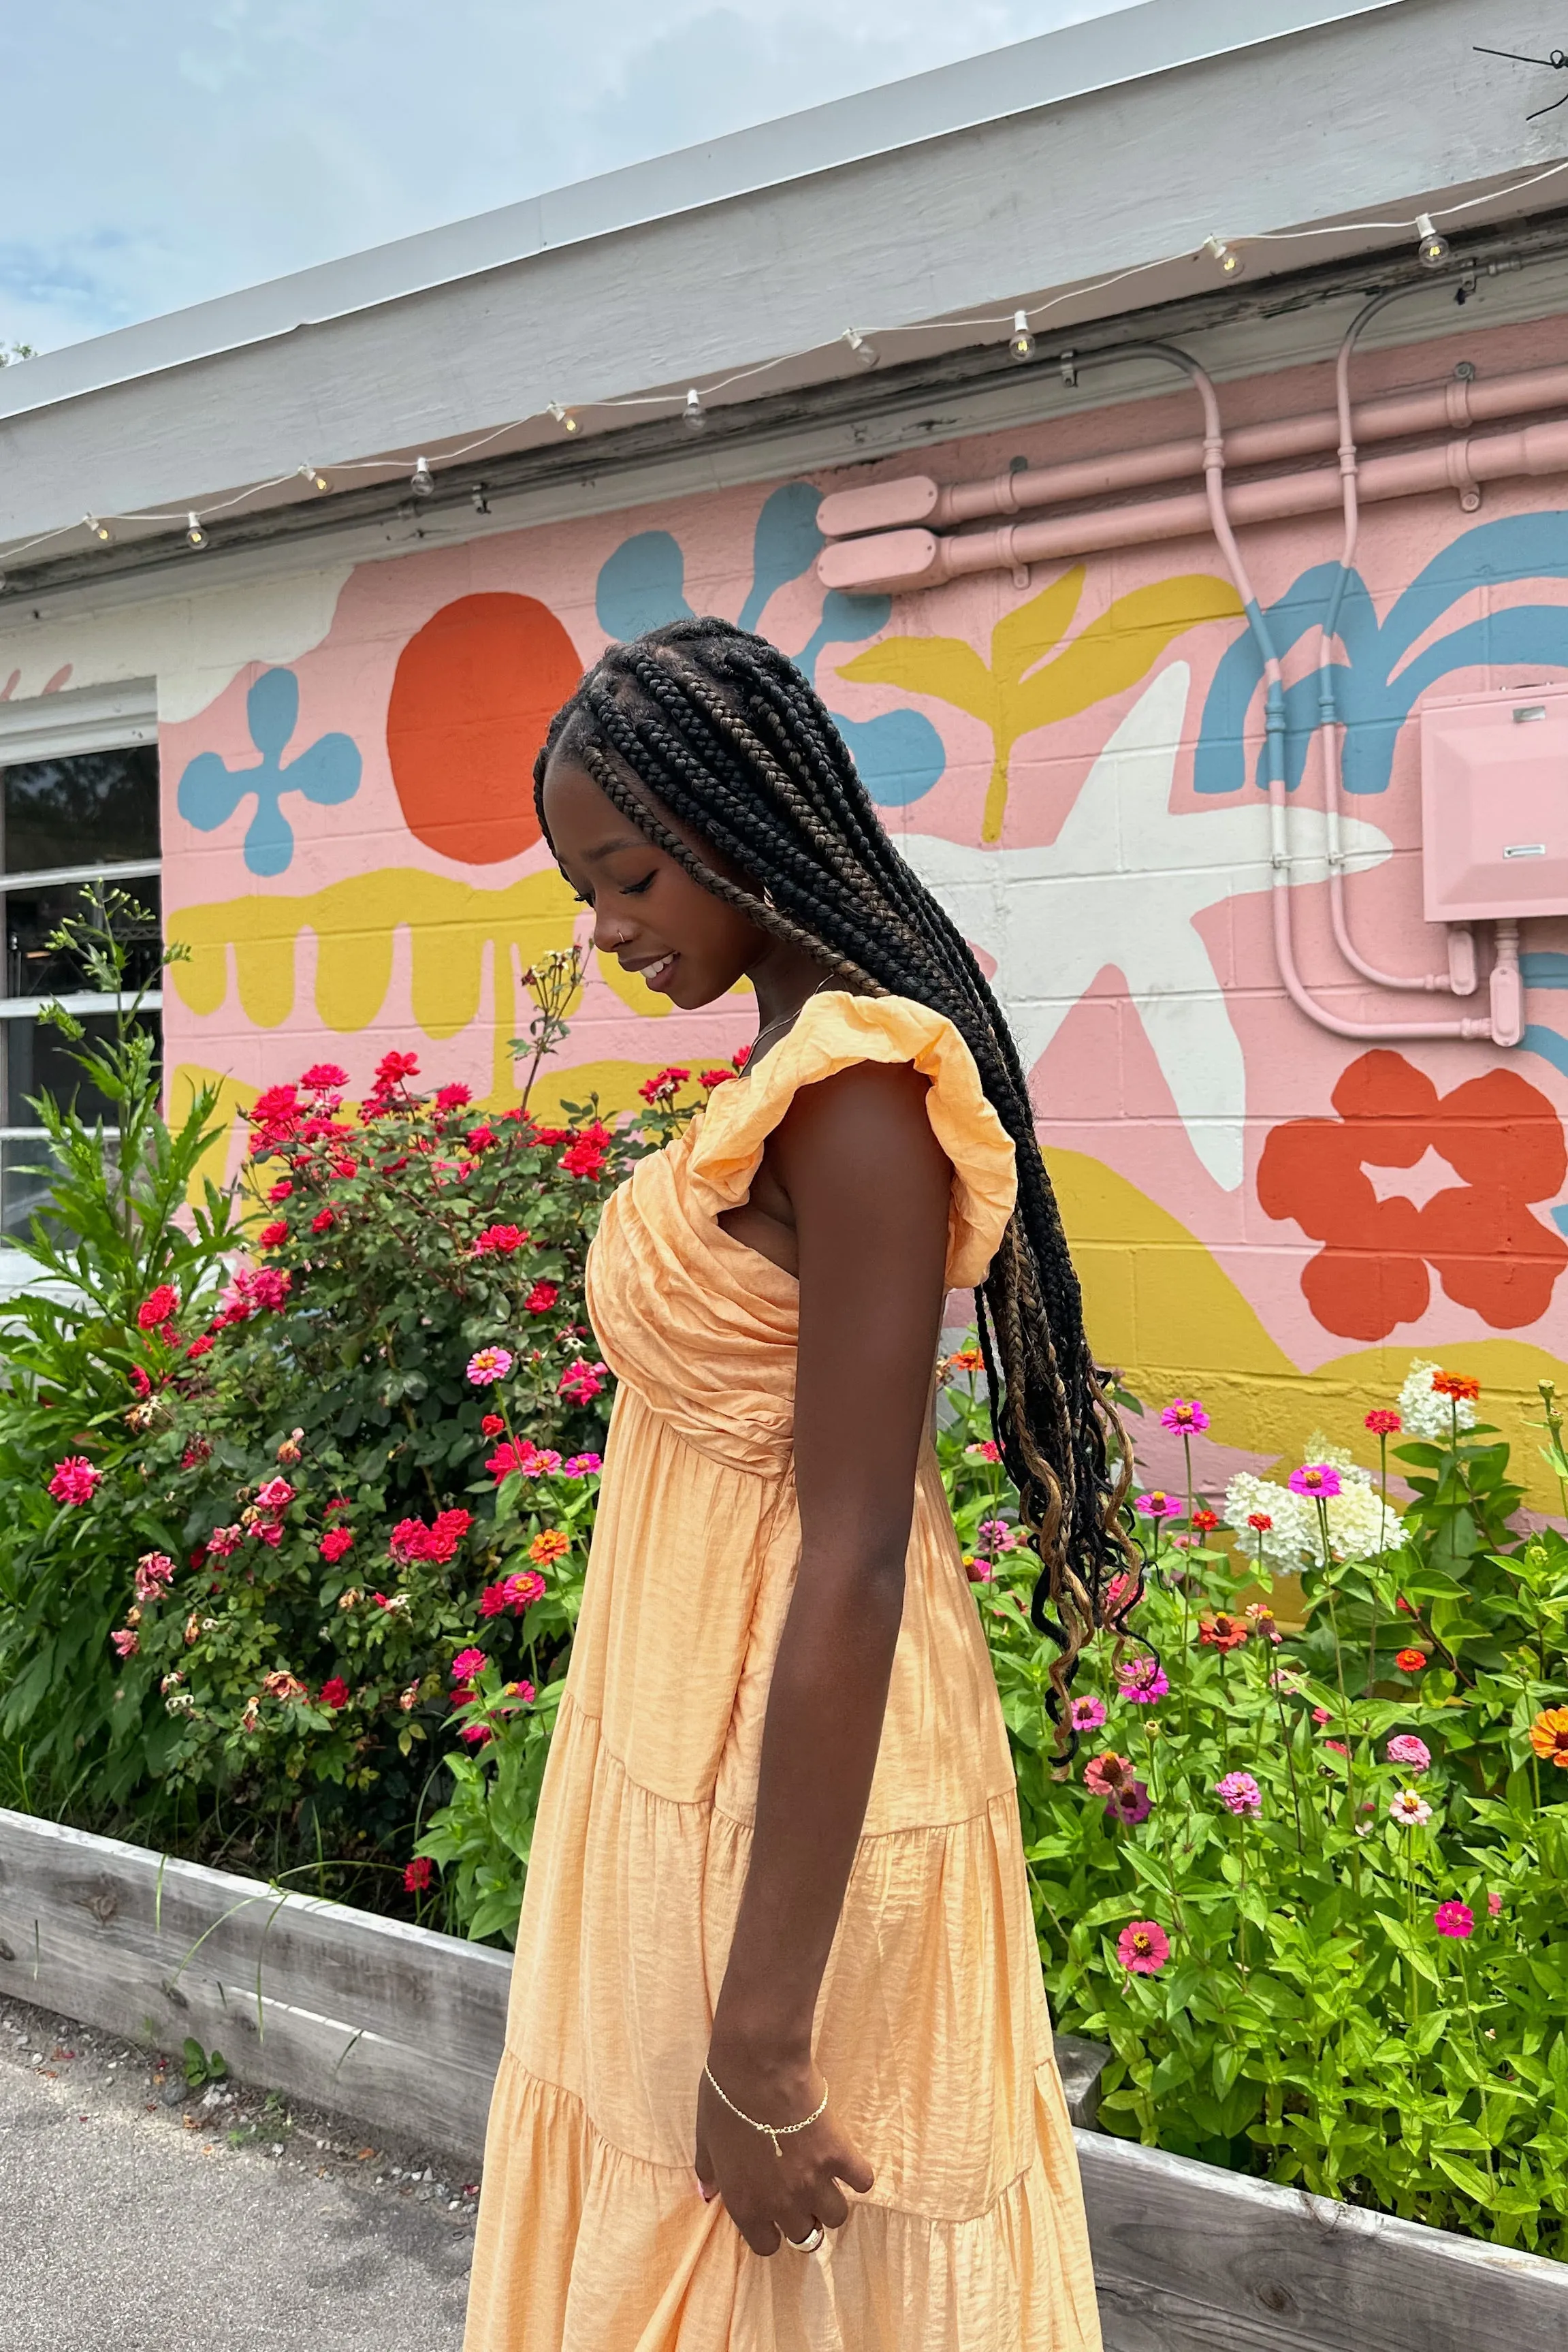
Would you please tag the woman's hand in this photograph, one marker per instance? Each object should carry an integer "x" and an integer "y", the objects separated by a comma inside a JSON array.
[{"x": 770, "y": 2198}]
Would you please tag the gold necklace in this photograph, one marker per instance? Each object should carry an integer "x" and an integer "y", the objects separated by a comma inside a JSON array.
[{"x": 784, "y": 1018}]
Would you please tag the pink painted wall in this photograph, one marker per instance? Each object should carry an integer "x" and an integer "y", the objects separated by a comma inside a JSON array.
[{"x": 1270, "y": 1214}]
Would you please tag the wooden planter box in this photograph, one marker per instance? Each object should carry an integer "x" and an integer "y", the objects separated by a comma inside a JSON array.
[{"x": 402, "y": 2029}]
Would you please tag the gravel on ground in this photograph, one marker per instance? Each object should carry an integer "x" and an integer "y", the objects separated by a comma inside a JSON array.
[{"x": 149, "y": 2212}]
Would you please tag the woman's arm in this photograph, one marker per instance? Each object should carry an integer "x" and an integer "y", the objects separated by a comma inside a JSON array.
[{"x": 868, "y": 1187}]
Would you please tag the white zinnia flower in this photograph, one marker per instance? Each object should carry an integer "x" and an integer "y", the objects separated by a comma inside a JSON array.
[{"x": 1424, "y": 1415}]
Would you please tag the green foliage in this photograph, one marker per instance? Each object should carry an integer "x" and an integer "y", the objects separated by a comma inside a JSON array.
[
  {"x": 201, "y": 2066},
  {"x": 120, "y": 1224},
  {"x": 1311, "y": 2022}
]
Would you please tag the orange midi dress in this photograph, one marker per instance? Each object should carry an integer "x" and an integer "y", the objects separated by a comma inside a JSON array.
[{"x": 931, "y": 2026}]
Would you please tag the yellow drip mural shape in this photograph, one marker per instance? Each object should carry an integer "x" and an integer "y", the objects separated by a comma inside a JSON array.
[{"x": 451, "y": 925}]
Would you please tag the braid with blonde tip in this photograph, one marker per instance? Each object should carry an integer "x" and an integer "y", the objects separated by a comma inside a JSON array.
[{"x": 700, "y": 722}]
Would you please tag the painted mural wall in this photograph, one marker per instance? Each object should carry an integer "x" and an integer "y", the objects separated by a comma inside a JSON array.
[{"x": 1271, "y": 1215}]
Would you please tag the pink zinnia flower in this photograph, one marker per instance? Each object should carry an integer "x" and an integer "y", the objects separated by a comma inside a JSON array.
[
  {"x": 1185, "y": 1416},
  {"x": 1318, "y": 1481},
  {"x": 126, "y": 1642},
  {"x": 1157, "y": 1504},
  {"x": 1143, "y": 1680},
  {"x": 74, "y": 1479},
  {"x": 1383, "y": 1424},
  {"x": 1101, "y": 1774},
  {"x": 1455, "y": 1919},
  {"x": 1406, "y": 1748},
  {"x": 987, "y": 1450},
  {"x": 1494, "y": 1904},
  {"x": 1321, "y": 1715},
  {"x": 416, "y": 1877},
  {"x": 1087, "y": 1713},
  {"x": 467, "y": 1663},
  {"x": 487, "y": 1365},
  {"x": 583, "y": 1465},
  {"x": 1238, "y": 1792},
  {"x": 1144, "y": 1947}
]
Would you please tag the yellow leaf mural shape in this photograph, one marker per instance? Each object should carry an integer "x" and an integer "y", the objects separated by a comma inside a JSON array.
[{"x": 1023, "y": 688}]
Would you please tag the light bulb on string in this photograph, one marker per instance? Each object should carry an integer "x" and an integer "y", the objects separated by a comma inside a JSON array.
[
  {"x": 193, "y": 531},
  {"x": 866, "y": 354},
  {"x": 314, "y": 477},
  {"x": 1431, "y": 243},
  {"x": 1229, "y": 263},
  {"x": 1022, "y": 342},
  {"x": 100, "y": 531},
  {"x": 694, "y": 416},
  {"x": 563, "y": 417},
  {"x": 421, "y": 481}
]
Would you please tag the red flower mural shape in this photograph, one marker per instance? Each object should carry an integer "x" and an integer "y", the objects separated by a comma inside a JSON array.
[{"x": 1504, "y": 1142}]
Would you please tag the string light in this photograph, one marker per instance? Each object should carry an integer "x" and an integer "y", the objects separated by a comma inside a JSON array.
[
  {"x": 1431, "y": 245},
  {"x": 193, "y": 531},
  {"x": 480, "y": 495},
  {"x": 1434, "y": 251}
]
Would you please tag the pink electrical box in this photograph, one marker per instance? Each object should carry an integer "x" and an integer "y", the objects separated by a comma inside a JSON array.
[{"x": 1494, "y": 805}]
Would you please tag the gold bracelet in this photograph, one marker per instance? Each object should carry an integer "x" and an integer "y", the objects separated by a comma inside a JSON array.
[{"x": 776, "y": 2132}]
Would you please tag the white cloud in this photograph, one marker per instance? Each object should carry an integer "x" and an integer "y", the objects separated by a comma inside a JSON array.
[{"x": 160, "y": 154}]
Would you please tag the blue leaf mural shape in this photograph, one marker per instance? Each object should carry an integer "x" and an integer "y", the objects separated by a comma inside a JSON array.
[
  {"x": 1377, "y": 687},
  {"x": 211, "y": 792},
  {"x": 900, "y": 755}
]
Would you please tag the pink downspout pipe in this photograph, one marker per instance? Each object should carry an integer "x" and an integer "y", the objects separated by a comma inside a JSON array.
[
  {"x": 1453, "y": 408},
  {"x": 1328, "y": 715},
  {"x": 1383, "y": 1031}
]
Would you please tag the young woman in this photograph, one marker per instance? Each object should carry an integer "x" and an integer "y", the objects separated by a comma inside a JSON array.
[{"x": 779, "y": 2073}]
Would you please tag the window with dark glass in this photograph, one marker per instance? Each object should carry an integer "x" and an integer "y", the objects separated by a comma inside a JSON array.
[{"x": 67, "y": 824}]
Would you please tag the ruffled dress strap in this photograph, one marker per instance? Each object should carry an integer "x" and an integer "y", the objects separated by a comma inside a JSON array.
[{"x": 832, "y": 1031}]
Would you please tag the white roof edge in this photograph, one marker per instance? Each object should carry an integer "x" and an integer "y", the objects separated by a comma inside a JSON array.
[{"x": 1133, "y": 43}]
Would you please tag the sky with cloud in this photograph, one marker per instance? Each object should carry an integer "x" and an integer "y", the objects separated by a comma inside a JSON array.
[{"x": 159, "y": 152}]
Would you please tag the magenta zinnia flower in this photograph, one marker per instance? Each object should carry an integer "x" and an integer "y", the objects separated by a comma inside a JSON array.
[
  {"x": 467, "y": 1663},
  {"x": 1087, "y": 1713},
  {"x": 1185, "y": 1416},
  {"x": 1157, "y": 1504},
  {"x": 1406, "y": 1748},
  {"x": 1144, "y": 1947},
  {"x": 1454, "y": 1919},
  {"x": 1318, "y": 1481},
  {"x": 487, "y": 1365},
  {"x": 1129, "y": 1804},
  {"x": 1143, "y": 1680},
  {"x": 1238, "y": 1792}
]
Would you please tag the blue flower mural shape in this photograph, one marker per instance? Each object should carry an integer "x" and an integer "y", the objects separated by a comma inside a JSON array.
[
  {"x": 1374, "y": 694},
  {"x": 900, "y": 755},
  {"x": 326, "y": 772}
]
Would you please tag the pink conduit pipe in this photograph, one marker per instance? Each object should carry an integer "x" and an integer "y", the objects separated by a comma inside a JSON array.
[
  {"x": 1454, "y": 408},
  {"x": 897, "y": 562},
  {"x": 1460, "y": 976},
  {"x": 1383, "y": 1031}
]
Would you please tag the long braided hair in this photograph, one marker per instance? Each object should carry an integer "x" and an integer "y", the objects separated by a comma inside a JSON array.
[{"x": 700, "y": 722}]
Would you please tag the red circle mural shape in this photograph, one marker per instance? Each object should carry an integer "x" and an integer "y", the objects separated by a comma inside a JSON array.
[{"x": 475, "y": 688}]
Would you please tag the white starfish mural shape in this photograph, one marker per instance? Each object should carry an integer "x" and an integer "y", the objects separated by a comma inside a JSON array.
[{"x": 1119, "y": 888}]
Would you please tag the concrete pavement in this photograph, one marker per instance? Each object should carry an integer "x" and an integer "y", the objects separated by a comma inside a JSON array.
[{"x": 138, "y": 2217}]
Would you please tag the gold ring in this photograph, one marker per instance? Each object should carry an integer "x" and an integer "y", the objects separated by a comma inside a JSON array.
[{"x": 807, "y": 2244}]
